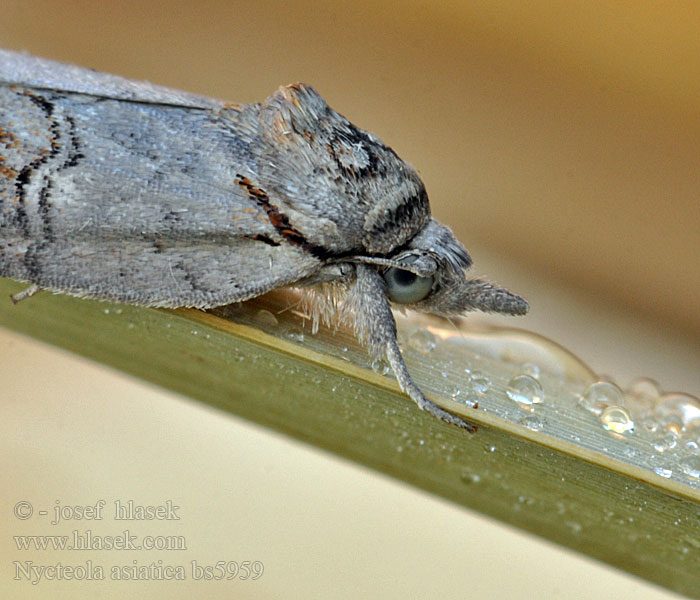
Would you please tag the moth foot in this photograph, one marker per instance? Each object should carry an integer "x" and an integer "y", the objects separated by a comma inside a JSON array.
[
  {"x": 406, "y": 383},
  {"x": 443, "y": 415},
  {"x": 25, "y": 293}
]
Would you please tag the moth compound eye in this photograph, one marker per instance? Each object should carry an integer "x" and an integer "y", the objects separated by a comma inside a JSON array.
[{"x": 405, "y": 287}]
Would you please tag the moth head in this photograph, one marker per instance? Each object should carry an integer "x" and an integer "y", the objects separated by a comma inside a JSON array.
[
  {"x": 340, "y": 171},
  {"x": 428, "y": 275}
]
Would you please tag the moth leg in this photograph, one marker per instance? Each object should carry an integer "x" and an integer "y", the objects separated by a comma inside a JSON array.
[
  {"x": 25, "y": 293},
  {"x": 375, "y": 327}
]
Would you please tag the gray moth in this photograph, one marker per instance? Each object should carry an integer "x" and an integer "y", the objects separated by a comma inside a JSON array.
[{"x": 125, "y": 191}]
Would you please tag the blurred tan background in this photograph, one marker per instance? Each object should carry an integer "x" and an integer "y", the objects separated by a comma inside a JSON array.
[{"x": 560, "y": 142}]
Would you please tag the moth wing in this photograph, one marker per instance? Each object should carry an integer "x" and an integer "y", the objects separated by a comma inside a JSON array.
[
  {"x": 136, "y": 202},
  {"x": 25, "y": 70},
  {"x": 174, "y": 274}
]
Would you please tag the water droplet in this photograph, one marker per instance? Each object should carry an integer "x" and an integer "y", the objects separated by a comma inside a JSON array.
[
  {"x": 650, "y": 425},
  {"x": 515, "y": 347},
  {"x": 264, "y": 318},
  {"x": 296, "y": 335},
  {"x": 665, "y": 443},
  {"x": 422, "y": 341},
  {"x": 380, "y": 366},
  {"x": 600, "y": 395},
  {"x": 690, "y": 465},
  {"x": 677, "y": 412},
  {"x": 663, "y": 471},
  {"x": 640, "y": 398},
  {"x": 533, "y": 422},
  {"x": 469, "y": 477},
  {"x": 629, "y": 452},
  {"x": 480, "y": 382},
  {"x": 470, "y": 399},
  {"x": 574, "y": 526},
  {"x": 691, "y": 447},
  {"x": 525, "y": 390},
  {"x": 617, "y": 420},
  {"x": 531, "y": 369},
  {"x": 693, "y": 541},
  {"x": 643, "y": 386}
]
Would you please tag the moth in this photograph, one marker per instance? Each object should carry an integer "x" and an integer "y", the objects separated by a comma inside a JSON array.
[{"x": 125, "y": 191}]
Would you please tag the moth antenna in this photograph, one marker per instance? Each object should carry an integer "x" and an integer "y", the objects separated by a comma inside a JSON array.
[
  {"x": 368, "y": 309},
  {"x": 291, "y": 306},
  {"x": 454, "y": 325}
]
